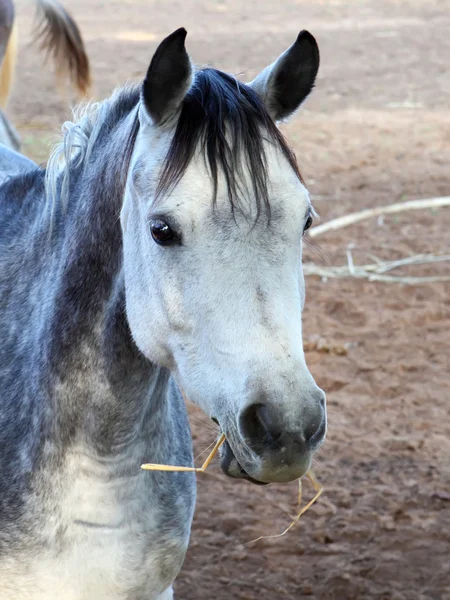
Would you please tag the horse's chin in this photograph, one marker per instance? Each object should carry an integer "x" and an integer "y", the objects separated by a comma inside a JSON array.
[{"x": 231, "y": 467}]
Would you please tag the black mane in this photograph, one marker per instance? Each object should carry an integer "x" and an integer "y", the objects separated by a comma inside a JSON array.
[{"x": 229, "y": 122}]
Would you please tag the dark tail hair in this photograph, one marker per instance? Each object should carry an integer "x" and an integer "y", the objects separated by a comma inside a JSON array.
[{"x": 61, "y": 39}]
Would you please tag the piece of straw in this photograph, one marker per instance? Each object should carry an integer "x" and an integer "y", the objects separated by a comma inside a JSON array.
[
  {"x": 318, "y": 489},
  {"x": 154, "y": 467},
  {"x": 316, "y": 485}
]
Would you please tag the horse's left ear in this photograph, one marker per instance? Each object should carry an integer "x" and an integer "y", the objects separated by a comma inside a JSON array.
[
  {"x": 284, "y": 84},
  {"x": 168, "y": 79}
]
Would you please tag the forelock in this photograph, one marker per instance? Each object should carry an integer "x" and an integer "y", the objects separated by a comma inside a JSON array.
[{"x": 227, "y": 122}]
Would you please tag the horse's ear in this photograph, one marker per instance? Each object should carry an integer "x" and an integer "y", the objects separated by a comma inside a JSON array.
[
  {"x": 168, "y": 79},
  {"x": 284, "y": 84}
]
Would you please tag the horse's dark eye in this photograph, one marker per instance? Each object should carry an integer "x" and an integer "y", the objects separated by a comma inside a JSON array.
[
  {"x": 162, "y": 233},
  {"x": 308, "y": 223}
]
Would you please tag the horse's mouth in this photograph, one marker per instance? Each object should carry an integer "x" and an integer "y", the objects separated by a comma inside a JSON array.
[{"x": 231, "y": 467}]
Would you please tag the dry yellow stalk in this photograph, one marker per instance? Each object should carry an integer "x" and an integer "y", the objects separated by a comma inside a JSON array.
[
  {"x": 317, "y": 487},
  {"x": 153, "y": 467}
]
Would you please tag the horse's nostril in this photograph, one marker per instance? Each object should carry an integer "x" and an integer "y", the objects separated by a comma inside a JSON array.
[
  {"x": 268, "y": 422},
  {"x": 315, "y": 429},
  {"x": 257, "y": 424}
]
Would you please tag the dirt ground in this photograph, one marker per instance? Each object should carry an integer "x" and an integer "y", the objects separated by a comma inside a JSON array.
[{"x": 375, "y": 131}]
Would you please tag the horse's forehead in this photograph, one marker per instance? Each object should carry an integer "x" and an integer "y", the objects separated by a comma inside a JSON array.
[{"x": 193, "y": 195}]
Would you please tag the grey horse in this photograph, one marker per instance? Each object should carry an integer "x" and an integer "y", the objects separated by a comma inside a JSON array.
[{"x": 159, "y": 251}]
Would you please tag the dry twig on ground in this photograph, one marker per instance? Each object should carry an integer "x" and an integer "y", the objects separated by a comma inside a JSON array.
[
  {"x": 376, "y": 271},
  {"x": 378, "y": 211}
]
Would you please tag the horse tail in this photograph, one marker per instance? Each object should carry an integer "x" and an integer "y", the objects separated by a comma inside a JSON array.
[
  {"x": 7, "y": 67},
  {"x": 60, "y": 37}
]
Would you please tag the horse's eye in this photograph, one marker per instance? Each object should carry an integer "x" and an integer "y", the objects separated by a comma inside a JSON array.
[
  {"x": 308, "y": 223},
  {"x": 162, "y": 233}
]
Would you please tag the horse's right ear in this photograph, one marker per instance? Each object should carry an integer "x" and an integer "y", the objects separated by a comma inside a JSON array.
[
  {"x": 168, "y": 79},
  {"x": 284, "y": 84}
]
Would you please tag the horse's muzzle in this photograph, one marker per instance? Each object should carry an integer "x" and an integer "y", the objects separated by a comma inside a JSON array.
[{"x": 280, "y": 453}]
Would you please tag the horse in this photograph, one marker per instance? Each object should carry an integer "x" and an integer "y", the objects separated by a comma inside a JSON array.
[
  {"x": 158, "y": 255},
  {"x": 59, "y": 37}
]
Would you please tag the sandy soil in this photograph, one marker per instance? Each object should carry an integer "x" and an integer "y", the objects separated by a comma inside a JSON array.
[{"x": 375, "y": 131}]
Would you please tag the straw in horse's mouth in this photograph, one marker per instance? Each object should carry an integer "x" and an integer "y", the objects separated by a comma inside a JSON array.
[{"x": 227, "y": 458}]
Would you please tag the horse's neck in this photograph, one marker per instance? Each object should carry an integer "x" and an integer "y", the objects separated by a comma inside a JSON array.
[
  {"x": 114, "y": 394},
  {"x": 104, "y": 390}
]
